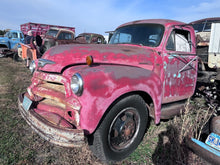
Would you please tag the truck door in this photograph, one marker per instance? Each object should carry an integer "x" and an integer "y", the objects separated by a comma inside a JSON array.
[
  {"x": 21, "y": 37},
  {"x": 180, "y": 65}
]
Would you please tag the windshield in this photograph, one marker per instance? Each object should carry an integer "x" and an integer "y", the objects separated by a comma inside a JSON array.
[
  {"x": 6, "y": 34},
  {"x": 87, "y": 38},
  {"x": 140, "y": 34},
  {"x": 52, "y": 32},
  {"x": 204, "y": 25}
]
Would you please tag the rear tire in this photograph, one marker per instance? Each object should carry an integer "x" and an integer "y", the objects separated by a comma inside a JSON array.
[{"x": 121, "y": 131}]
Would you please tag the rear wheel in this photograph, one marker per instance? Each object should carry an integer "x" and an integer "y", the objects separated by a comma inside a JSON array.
[{"x": 121, "y": 131}]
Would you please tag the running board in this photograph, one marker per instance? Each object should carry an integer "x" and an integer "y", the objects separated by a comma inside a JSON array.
[{"x": 170, "y": 110}]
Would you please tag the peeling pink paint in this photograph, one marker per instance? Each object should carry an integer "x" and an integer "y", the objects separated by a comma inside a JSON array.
[{"x": 165, "y": 75}]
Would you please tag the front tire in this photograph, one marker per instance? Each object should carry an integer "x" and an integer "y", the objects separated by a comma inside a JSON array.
[
  {"x": 2, "y": 55},
  {"x": 121, "y": 131}
]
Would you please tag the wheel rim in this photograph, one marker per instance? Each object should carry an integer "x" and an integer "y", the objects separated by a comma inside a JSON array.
[{"x": 124, "y": 129}]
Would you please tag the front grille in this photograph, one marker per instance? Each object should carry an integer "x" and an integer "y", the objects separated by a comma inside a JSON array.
[
  {"x": 52, "y": 91},
  {"x": 51, "y": 99}
]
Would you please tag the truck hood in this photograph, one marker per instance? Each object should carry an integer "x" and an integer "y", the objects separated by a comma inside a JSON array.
[
  {"x": 69, "y": 55},
  {"x": 3, "y": 39}
]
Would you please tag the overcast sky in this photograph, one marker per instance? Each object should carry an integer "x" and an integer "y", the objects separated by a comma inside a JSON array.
[{"x": 99, "y": 16}]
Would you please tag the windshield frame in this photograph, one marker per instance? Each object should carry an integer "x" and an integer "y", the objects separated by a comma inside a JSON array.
[{"x": 139, "y": 32}]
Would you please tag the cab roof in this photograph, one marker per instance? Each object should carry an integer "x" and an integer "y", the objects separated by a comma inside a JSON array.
[
  {"x": 165, "y": 22},
  {"x": 212, "y": 19}
]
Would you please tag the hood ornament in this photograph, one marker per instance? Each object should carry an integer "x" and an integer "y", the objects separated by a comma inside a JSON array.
[{"x": 43, "y": 62}]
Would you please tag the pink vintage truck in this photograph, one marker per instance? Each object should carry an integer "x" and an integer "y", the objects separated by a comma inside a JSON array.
[{"x": 108, "y": 93}]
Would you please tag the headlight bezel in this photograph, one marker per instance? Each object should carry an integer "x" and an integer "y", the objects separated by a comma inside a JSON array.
[{"x": 77, "y": 84}]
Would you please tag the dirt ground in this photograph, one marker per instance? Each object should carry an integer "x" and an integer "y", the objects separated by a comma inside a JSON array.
[{"x": 20, "y": 145}]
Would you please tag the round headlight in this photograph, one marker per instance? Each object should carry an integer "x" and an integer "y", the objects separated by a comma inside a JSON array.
[
  {"x": 77, "y": 84},
  {"x": 32, "y": 66}
]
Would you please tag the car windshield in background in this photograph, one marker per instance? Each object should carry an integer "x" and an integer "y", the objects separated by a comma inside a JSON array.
[
  {"x": 6, "y": 34},
  {"x": 139, "y": 34},
  {"x": 52, "y": 33},
  {"x": 204, "y": 26},
  {"x": 87, "y": 38}
]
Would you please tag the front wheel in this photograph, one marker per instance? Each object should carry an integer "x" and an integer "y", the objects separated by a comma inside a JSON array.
[
  {"x": 2, "y": 55},
  {"x": 121, "y": 130}
]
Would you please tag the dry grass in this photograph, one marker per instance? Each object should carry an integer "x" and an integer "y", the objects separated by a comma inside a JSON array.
[
  {"x": 194, "y": 119},
  {"x": 190, "y": 124}
]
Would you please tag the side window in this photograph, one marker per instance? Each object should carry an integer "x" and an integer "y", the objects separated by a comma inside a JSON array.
[
  {"x": 99, "y": 40},
  {"x": 95, "y": 39},
  {"x": 179, "y": 40},
  {"x": 21, "y": 35},
  {"x": 122, "y": 38},
  {"x": 171, "y": 42}
]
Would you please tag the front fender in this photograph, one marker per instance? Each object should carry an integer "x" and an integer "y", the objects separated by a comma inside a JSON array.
[
  {"x": 4, "y": 45},
  {"x": 104, "y": 84},
  {"x": 4, "y": 42}
]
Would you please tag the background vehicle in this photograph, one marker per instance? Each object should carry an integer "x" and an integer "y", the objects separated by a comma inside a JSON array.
[
  {"x": 41, "y": 29},
  {"x": 57, "y": 36},
  {"x": 92, "y": 38},
  {"x": 208, "y": 86},
  {"x": 109, "y": 92},
  {"x": 51, "y": 35},
  {"x": 10, "y": 42},
  {"x": 208, "y": 50}
]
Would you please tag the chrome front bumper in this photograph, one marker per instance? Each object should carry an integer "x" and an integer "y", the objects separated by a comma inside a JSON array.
[{"x": 58, "y": 135}]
